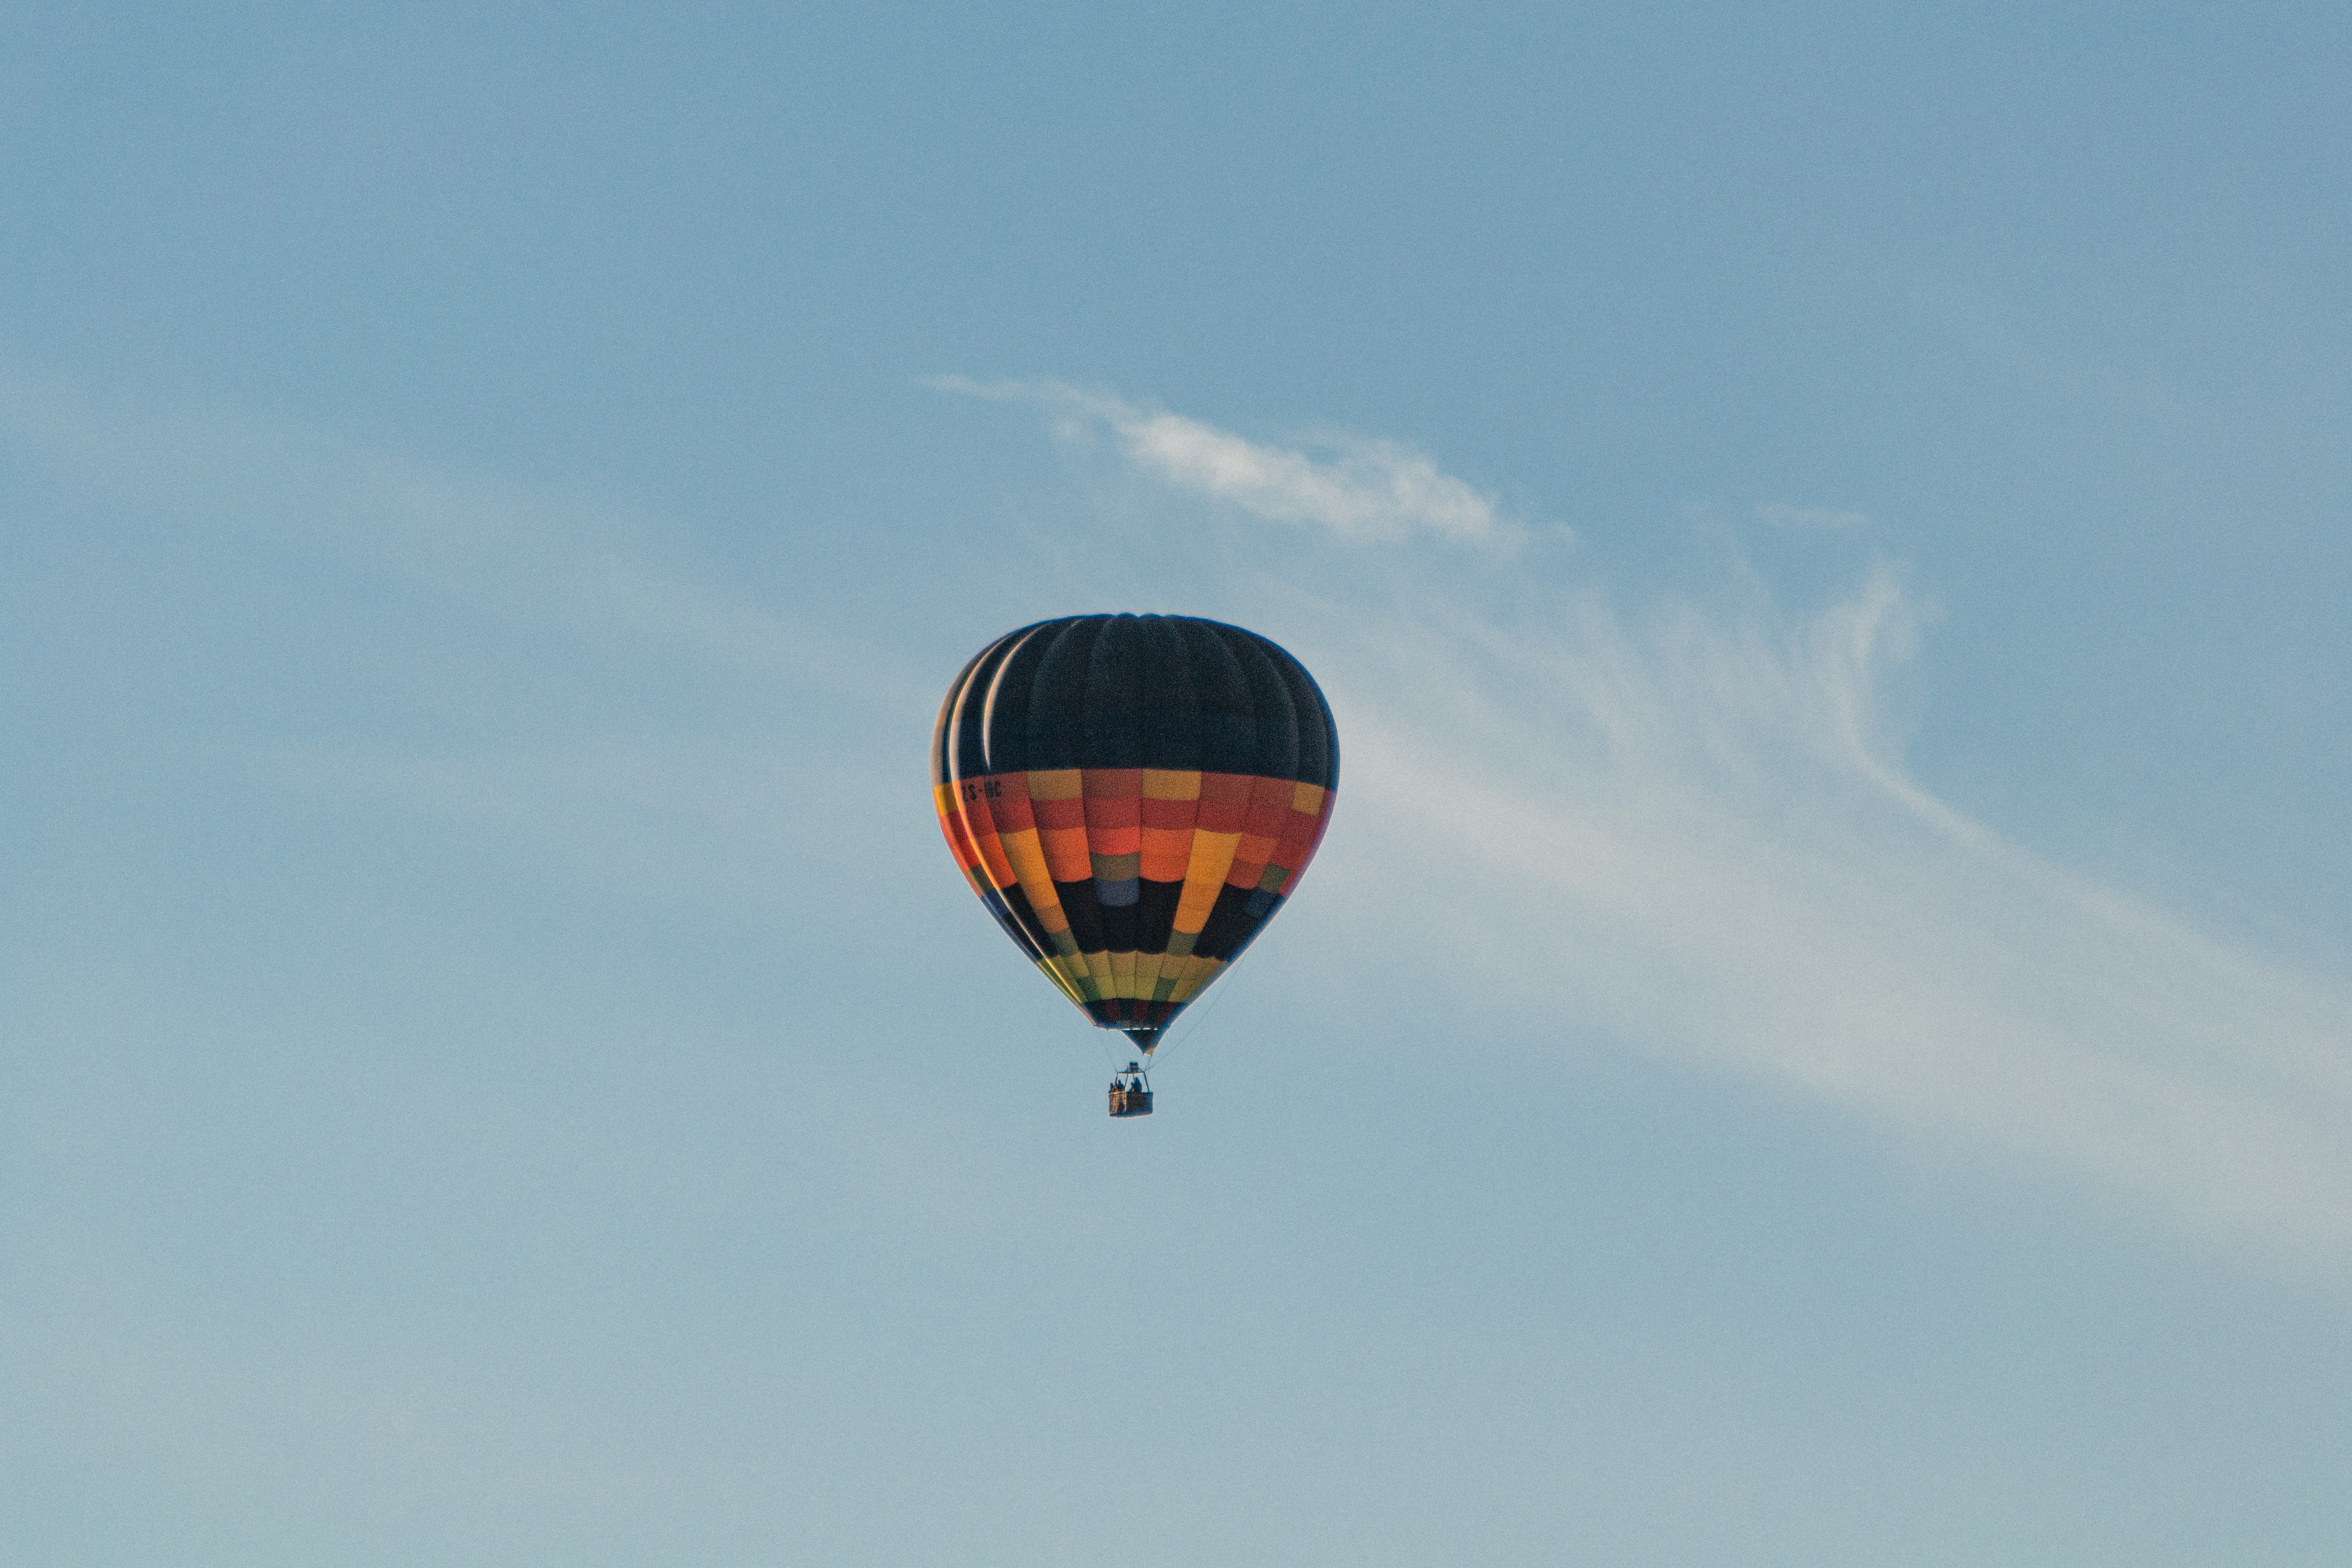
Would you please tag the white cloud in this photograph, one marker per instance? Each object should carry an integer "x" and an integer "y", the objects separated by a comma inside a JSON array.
[
  {"x": 1809, "y": 519},
  {"x": 1363, "y": 490},
  {"x": 1688, "y": 829},
  {"x": 1692, "y": 834}
]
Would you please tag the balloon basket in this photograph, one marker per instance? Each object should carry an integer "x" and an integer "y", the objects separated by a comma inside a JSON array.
[{"x": 1131, "y": 1093}]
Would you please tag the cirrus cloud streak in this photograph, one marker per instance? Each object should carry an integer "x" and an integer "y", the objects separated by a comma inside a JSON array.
[
  {"x": 1362, "y": 491},
  {"x": 1690, "y": 832}
]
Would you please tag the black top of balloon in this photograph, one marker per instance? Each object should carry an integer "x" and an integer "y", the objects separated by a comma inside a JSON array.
[{"x": 1142, "y": 692}]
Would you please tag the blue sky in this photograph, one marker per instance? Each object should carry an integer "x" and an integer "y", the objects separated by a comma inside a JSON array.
[{"x": 1822, "y": 1031}]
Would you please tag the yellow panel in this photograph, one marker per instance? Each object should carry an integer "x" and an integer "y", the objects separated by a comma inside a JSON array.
[
  {"x": 1202, "y": 972},
  {"x": 1122, "y": 975},
  {"x": 1307, "y": 797},
  {"x": 1148, "y": 966},
  {"x": 1212, "y": 856},
  {"x": 1169, "y": 784},
  {"x": 1028, "y": 858},
  {"x": 1061, "y": 981},
  {"x": 1056, "y": 783}
]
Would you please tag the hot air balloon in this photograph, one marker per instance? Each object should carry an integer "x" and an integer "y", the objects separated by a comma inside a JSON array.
[{"x": 1133, "y": 797}]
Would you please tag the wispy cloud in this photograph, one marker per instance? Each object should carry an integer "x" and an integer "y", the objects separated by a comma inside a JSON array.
[
  {"x": 1689, "y": 829},
  {"x": 1809, "y": 519},
  {"x": 1692, "y": 832},
  {"x": 1692, "y": 829},
  {"x": 1361, "y": 489}
]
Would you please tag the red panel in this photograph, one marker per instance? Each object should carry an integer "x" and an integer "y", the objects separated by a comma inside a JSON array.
[
  {"x": 1165, "y": 851},
  {"x": 1297, "y": 841},
  {"x": 1066, "y": 859},
  {"x": 1112, "y": 783},
  {"x": 1224, "y": 802},
  {"x": 1008, "y": 801},
  {"x": 1126, "y": 813},
  {"x": 978, "y": 813}
]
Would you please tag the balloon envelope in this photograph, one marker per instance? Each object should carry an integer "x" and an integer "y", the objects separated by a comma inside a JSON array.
[{"x": 1133, "y": 797}]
